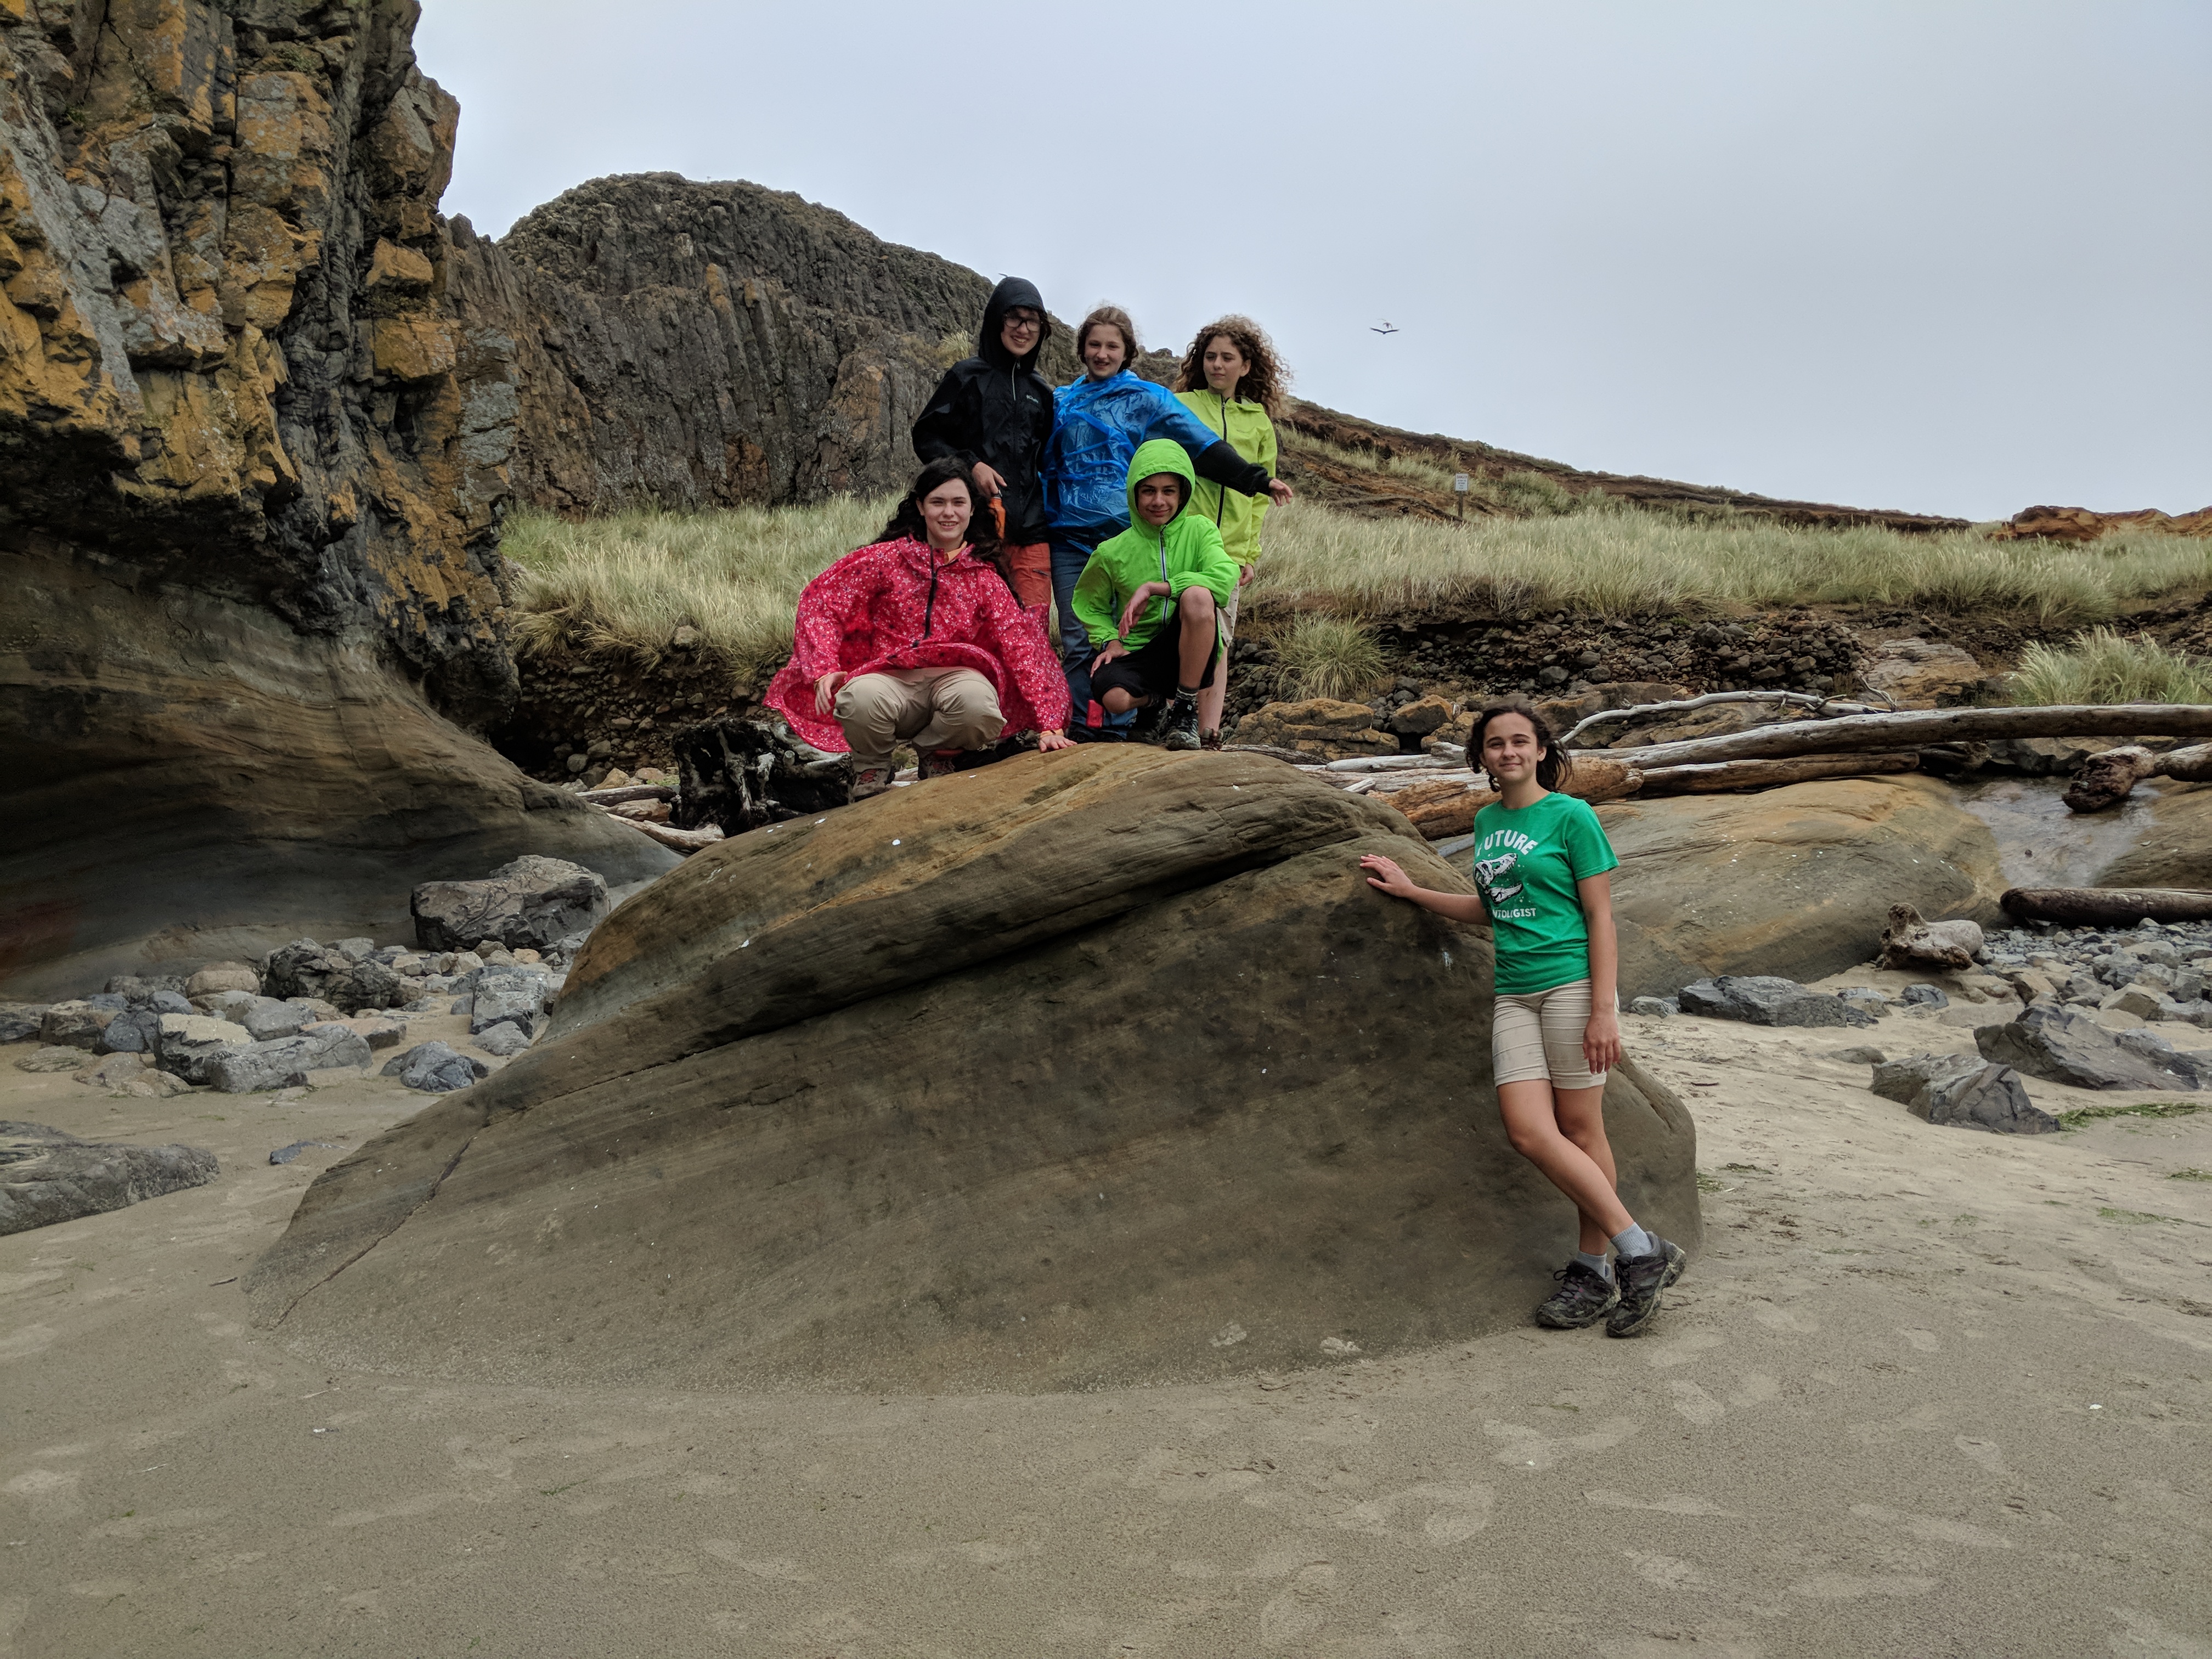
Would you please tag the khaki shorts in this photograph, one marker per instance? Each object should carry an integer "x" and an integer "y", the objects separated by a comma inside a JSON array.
[
  {"x": 1227, "y": 613},
  {"x": 1538, "y": 1038}
]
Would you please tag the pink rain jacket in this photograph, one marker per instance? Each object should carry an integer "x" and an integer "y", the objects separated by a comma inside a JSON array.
[{"x": 878, "y": 608}]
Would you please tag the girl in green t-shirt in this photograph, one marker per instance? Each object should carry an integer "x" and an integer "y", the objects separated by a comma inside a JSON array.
[{"x": 1541, "y": 861}]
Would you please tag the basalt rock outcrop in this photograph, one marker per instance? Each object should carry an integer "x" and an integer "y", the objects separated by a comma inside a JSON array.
[
  {"x": 1085, "y": 1068},
  {"x": 253, "y": 467},
  {"x": 699, "y": 344}
]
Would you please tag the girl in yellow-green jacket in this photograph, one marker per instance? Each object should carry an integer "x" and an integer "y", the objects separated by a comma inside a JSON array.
[{"x": 1232, "y": 381}]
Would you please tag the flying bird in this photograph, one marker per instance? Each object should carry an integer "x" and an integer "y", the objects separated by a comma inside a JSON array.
[{"x": 1389, "y": 327}]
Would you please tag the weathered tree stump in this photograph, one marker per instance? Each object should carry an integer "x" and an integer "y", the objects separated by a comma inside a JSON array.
[{"x": 739, "y": 775}]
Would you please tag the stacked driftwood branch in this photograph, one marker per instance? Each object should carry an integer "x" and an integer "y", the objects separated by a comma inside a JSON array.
[{"x": 1442, "y": 793}]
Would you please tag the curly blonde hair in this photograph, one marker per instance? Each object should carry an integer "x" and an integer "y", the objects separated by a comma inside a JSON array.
[{"x": 1266, "y": 382}]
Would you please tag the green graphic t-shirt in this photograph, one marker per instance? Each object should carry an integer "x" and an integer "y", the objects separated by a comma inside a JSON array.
[{"x": 1526, "y": 864}]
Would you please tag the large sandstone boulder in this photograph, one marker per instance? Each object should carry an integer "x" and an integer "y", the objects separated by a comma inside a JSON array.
[
  {"x": 2175, "y": 849},
  {"x": 1795, "y": 882},
  {"x": 1091, "y": 1067},
  {"x": 47, "y": 1175},
  {"x": 253, "y": 469}
]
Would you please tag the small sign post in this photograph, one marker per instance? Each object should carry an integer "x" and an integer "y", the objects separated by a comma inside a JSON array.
[{"x": 1458, "y": 492}]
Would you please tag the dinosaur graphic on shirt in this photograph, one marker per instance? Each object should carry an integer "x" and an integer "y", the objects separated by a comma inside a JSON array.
[{"x": 1486, "y": 874}]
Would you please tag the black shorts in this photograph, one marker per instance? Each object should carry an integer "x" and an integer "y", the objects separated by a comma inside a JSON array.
[{"x": 1153, "y": 668}]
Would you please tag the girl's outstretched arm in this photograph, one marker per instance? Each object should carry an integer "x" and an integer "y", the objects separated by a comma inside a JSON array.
[
  {"x": 1385, "y": 876},
  {"x": 1602, "y": 1036}
]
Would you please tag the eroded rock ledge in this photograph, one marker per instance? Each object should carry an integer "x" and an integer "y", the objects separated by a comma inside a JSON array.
[{"x": 252, "y": 468}]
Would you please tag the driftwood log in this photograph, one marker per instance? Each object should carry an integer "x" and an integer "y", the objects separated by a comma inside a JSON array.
[
  {"x": 683, "y": 841},
  {"x": 1791, "y": 699},
  {"x": 1946, "y": 947},
  {"x": 2105, "y": 907},
  {"x": 1914, "y": 727},
  {"x": 1714, "y": 776},
  {"x": 2190, "y": 765},
  {"x": 2104, "y": 779},
  {"x": 627, "y": 793}
]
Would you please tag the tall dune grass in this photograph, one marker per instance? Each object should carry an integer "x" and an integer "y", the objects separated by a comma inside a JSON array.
[
  {"x": 1623, "y": 561},
  {"x": 626, "y": 582},
  {"x": 2104, "y": 665}
]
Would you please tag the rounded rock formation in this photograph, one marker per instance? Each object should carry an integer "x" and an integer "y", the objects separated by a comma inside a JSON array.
[{"x": 1088, "y": 1068}]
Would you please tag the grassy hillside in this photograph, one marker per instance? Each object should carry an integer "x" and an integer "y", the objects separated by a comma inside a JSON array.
[{"x": 622, "y": 585}]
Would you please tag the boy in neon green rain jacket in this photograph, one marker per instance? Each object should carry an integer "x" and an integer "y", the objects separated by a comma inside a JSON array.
[{"x": 1150, "y": 599}]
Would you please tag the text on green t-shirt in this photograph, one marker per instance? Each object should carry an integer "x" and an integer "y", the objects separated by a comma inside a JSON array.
[{"x": 1526, "y": 865}]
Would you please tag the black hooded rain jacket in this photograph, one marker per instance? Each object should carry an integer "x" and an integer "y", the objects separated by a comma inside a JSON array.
[{"x": 997, "y": 408}]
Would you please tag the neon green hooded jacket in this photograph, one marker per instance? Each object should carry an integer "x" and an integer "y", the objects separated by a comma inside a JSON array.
[
  {"x": 1184, "y": 552},
  {"x": 1251, "y": 434}
]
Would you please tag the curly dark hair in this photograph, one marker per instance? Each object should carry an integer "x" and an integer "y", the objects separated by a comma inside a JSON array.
[
  {"x": 1555, "y": 769},
  {"x": 983, "y": 538},
  {"x": 1266, "y": 382}
]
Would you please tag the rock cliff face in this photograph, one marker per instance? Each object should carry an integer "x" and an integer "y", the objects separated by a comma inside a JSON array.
[
  {"x": 251, "y": 474},
  {"x": 708, "y": 344}
]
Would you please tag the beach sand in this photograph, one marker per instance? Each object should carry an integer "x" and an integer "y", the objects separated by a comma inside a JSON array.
[{"x": 1926, "y": 1391}]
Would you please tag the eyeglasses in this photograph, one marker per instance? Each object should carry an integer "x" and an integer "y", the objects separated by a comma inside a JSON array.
[{"x": 1023, "y": 319}]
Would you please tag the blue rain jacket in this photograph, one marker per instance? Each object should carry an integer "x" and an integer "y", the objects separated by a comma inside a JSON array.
[{"x": 1097, "y": 427}]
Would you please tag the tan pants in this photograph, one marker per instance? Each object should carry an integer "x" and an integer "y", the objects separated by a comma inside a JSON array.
[{"x": 929, "y": 708}]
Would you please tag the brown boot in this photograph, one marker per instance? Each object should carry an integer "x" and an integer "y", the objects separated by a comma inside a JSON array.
[
  {"x": 938, "y": 763},
  {"x": 869, "y": 781},
  {"x": 1209, "y": 740}
]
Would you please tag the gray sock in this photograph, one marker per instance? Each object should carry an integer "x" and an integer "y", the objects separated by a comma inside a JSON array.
[
  {"x": 1596, "y": 1264},
  {"x": 1633, "y": 1241}
]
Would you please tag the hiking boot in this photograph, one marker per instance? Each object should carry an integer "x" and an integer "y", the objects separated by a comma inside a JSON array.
[
  {"x": 1209, "y": 739},
  {"x": 1583, "y": 1297},
  {"x": 870, "y": 781},
  {"x": 938, "y": 763},
  {"x": 1180, "y": 729},
  {"x": 1641, "y": 1278}
]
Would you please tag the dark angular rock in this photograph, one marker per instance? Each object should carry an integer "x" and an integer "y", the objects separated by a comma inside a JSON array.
[
  {"x": 1925, "y": 996},
  {"x": 368, "y": 983},
  {"x": 1767, "y": 999},
  {"x": 2147, "y": 1044},
  {"x": 1987, "y": 1098},
  {"x": 530, "y": 903},
  {"x": 47, "y": 1175},
  {"x": 516, "y": 1001},
  {"x": 132, "y": 1033},
  {"x": 78, "y": 1023},
  {"x": 1902, "y": 1080},
  {"x": 301, "y": 968},
  {"x": 2066, "y": 1046},
  {"x": 20, "y": 1021},
  {"x": 435, "y": 1067}
]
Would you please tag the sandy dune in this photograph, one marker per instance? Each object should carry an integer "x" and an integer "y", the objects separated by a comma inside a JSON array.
[{"x": 1927, "y": 1392}]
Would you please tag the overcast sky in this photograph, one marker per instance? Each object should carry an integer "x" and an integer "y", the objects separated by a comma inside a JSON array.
[{"x": 1949, "y": 258}]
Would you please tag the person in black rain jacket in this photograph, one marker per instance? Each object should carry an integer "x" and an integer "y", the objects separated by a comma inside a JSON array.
[{"x": 993, "y": 413}]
